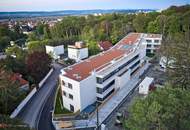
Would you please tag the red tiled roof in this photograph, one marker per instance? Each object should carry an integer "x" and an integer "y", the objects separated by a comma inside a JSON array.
[
  {"x": 18, "y": 77},
  {"x": 105, "y": 45},
  {"x": 83, "y": 69}
]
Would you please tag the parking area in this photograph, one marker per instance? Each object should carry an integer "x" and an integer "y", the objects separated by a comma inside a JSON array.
[{"x": 160, "y": 78}]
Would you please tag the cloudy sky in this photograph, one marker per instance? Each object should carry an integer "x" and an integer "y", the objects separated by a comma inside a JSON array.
[{"x": 52, "y": 5}]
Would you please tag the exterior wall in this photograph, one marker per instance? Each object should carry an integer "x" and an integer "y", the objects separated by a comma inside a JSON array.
[
  {"x": 55, "y": 51},
  {"x": 122, "y": 77},
  {"x": 88, "y": 91},
  {"x": 122, "y": 80},
  {"x": 152, "y": 46},
  {"x": 75, "y": 91},
  {"x": 77, "y": 54}
]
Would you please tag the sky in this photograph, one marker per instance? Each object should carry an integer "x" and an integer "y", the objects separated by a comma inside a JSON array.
[{"x": 54, "y": 5}]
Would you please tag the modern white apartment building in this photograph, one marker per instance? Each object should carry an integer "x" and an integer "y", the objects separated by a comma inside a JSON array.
[
  {"x": 55, "y": 51},
  {"x": 98, "y": 77},
  {"x": 153, "y": 42},
  {"x": 78, "y": 51}
]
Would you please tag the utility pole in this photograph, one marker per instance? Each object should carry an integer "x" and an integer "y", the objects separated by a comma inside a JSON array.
[{"x": 97, "y": 117}]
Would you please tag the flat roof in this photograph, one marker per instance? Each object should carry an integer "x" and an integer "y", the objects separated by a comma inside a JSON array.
[
  {"x": 82, "y": 70},
  {"x": 153, "y": 36}
]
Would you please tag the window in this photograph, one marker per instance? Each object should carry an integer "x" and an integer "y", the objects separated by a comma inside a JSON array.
[
  {"x": 148, "y": 41},
  {"x": 63, "y": 83},
  {"x": 72, "y": 108},
  {"x": 148, "y": 45},
  {"x": 135, "y": 64},
  {"x": 156, "y": 41},
  {"x": 64, "y": 93},
  {"x": 156, "y": 46},
  {"x": 71, "y": 96},
  {"x": 148, "y": 51},
  {"x": 101, "y": 80},
  {"x": 70, "y": 85}
]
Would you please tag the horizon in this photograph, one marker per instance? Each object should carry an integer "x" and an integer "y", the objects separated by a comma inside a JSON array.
[
  {"x": 74, "y": 10},
  {"x": 62, "y": 5}
]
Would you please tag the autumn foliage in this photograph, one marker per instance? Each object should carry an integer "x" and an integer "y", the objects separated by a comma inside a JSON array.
[{"x": 38, "y": 65}]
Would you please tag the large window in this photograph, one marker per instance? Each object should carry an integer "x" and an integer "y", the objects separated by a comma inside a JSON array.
[
  {"x": 134, "y": 65},
  {"x": 101, "y": 90},
  {"x": 148, "y": 41},
  {"x": 101, "y": 80},
  {"x": 149, "y": 45},
  {"x": 156, "y": 41},
  {"x": 102, "y": 99}
]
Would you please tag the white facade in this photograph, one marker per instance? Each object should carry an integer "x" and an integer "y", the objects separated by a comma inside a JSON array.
[
  {"x": 77, "y": 54},
  {"x": 55, "y": 51},
  {"x": 144, "y": 85},
  {"x": 153, "y": 42},
  {"x": 102, "y": 81}
]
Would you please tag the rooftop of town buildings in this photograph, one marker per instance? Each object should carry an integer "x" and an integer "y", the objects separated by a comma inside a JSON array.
[
  {"x": 105, "y": 45},
  {"x": 16, "y": 77}
]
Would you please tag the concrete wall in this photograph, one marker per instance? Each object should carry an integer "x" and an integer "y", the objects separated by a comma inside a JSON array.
[
  {"x": 88, "y": 91},
  {"x": 23, "y": 103},
  {"x": 29, "y": 96},
  {"x": 121, "y": 81},
  {"x": 45, "y": 78},
  {"x": 77, "y": 54},
  {"x": 55, "y": 51}
]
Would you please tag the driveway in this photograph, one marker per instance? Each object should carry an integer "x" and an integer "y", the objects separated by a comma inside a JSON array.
[{"x": 30, "y": 114}]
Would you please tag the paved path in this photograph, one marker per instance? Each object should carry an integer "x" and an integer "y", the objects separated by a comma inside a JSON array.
[{"x": 30, "y": 114}]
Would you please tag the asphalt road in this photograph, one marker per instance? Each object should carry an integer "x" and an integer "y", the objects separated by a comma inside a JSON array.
[
  {"x": 30, "y": 114},
  {"x": 45, "y": 122}
]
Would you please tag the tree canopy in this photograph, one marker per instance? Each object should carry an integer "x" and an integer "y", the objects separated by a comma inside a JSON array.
[{"x": 164, "y": 109}]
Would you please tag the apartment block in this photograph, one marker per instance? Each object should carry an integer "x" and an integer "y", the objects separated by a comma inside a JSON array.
[
  {"x": 78, "y": 51},
  {"x": 98, "y": 77},
  {"x": 153, "y": 42}
]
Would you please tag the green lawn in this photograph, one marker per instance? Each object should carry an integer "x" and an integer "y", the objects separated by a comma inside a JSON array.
[{"x": 59, "y": 109}]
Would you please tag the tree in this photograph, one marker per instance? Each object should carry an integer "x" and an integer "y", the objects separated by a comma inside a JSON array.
[
  {"x": 93, "y": 48},
  {"x": 180, "y": 52},
  {"x": 4, "y": 43},
  {"x": 16, "y": 64},
  {"x": 12, "y": 124},
  {"x": 140, "y": 22},
  {"x": 10, "y": 95},
  {"x": 38, "y": 65},
  {"x": 36, "y": 46},
  {"x": 164, "y": 109}
]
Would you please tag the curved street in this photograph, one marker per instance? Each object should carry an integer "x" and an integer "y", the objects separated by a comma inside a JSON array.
[{"x": 33, "y": 112}]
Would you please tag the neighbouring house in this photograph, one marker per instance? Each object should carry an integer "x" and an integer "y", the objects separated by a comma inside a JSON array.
[
  {"x": 153, "y": 42},
  {"x": 104, "y": 45},
  {"x": 145, "y": 85},
  {"x": 97, "y": 78},
  {"x": 78, "y": 52},
  {"x": 16, "y": 77},
  {"x": 55, "y": 51}
]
